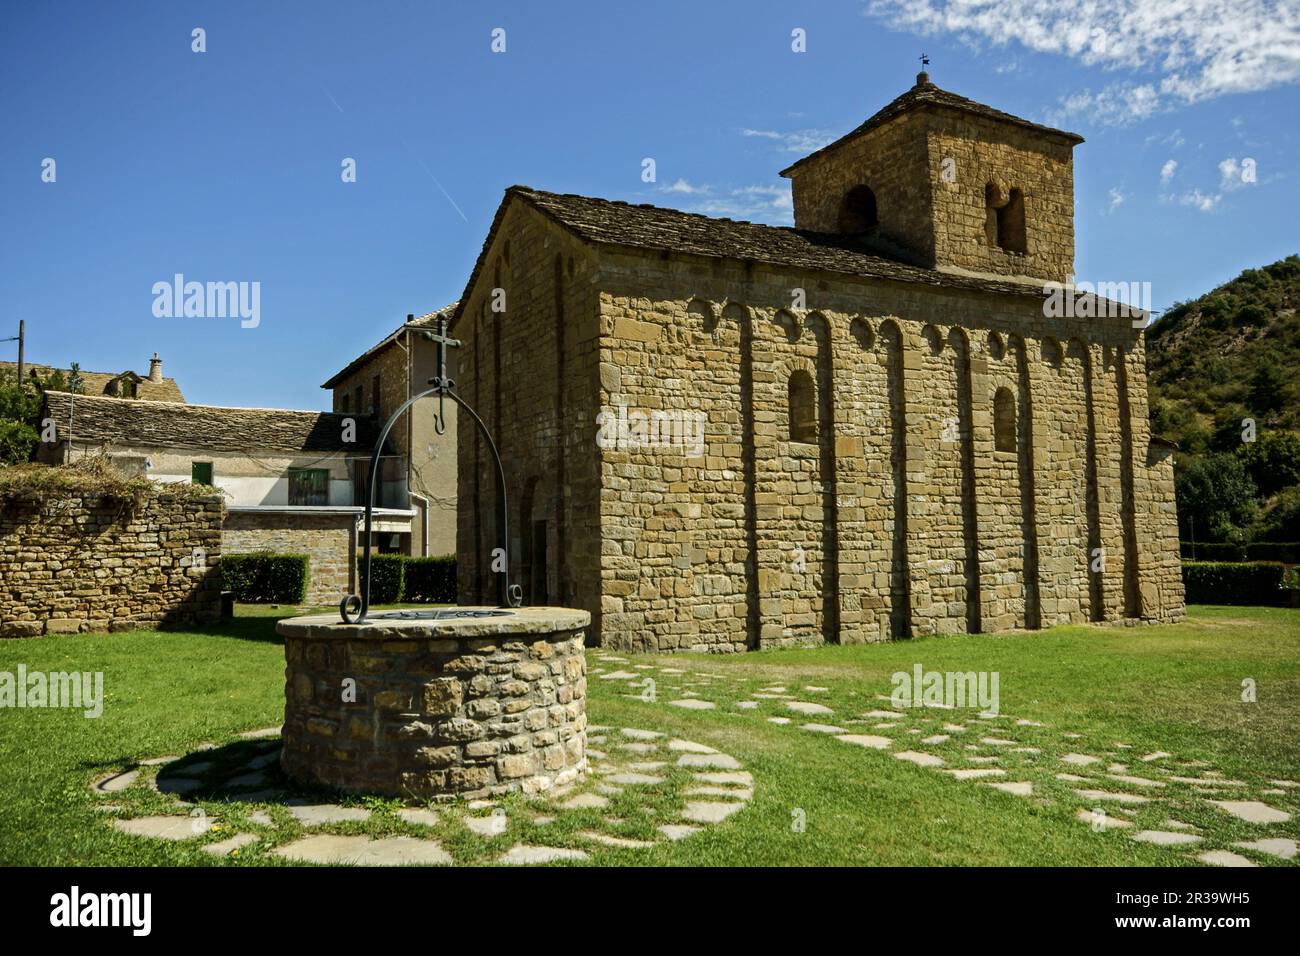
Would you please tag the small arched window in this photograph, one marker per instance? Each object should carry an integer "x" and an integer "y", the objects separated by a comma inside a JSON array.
[
  {"x": 1005, "y": 218},
  {"x": 803, "y": 407},
  {"x": 858, "y": 211},
  {"x": 1004, "y": 420}
]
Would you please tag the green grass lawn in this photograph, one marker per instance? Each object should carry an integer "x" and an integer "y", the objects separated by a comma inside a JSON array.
[{"x": 1175, "y": 689}]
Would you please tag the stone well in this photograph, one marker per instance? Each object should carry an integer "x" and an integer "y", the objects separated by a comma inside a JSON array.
[{"x": 435, "y": 704}]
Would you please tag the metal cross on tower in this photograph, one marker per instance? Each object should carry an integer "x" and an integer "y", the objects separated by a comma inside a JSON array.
[{"x": 510, "y": 595}]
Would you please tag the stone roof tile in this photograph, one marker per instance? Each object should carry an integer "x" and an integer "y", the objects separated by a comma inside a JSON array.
[
  {"x": 128, "y": 421},
  {"x": 926, "y": 94}
]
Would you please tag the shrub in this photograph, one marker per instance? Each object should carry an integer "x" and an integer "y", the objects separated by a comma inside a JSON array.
[
  {"x": 389, "y": 576},
  {"x": 1288, "y": 552},
  {"x": 1223, "y": 582},
  {"x": 266, "y": 578},
  {"x": 1213, "y": 551},
  {"x": 431, "y": 580}
]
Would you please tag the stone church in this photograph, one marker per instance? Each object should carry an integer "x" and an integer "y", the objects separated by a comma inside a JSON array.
[{"x": 896, "y": 435}]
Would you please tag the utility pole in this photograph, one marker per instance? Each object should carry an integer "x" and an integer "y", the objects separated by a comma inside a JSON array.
[{"x": 19, "y": 339}]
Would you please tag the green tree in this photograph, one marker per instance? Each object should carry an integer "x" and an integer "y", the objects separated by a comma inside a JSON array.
[
  {"x": 20, "y": 411},
  {"x": 1273, "y": 460},
  {"x": 1282, "y": 520},
  {"x": 1266, "y": 385},
  {"x": 1216, "y": 499}
]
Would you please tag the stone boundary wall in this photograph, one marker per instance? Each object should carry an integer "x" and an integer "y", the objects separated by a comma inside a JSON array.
[
  {"x": 99, "y": 563},
  {"x": 329, "y": 541},
  {"x": 441, "y": 708}
]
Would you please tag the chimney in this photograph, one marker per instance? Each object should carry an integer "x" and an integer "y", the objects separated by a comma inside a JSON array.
[{"x": 155, "y": 369}]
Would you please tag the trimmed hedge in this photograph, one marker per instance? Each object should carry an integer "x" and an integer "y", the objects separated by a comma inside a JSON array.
[
  {"x": 414, "y": 580},
  {"x": 1212, "y": 551},
  {"x": 266, "y": 578},
  {"x": 1224, "y": 582},
  {"x": 390, "y": 574},
  {"x": 431, "y": 580},
  {"x": 1288, "y": 552}
]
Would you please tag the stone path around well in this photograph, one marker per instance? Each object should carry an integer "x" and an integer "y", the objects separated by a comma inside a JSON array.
[
  {"x": 644, "y": 788},
  {"x": 1114, "y": 787}
]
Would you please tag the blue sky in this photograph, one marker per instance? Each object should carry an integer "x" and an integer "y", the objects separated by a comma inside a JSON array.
[{"x": 225, "y": 165}]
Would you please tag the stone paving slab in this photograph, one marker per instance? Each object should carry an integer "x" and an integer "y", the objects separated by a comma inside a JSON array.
[
  {"x": 1252, "y": 811},
  {"x": 693, "y": 703},
  {"x": 1165, "y": 837},
  {"x": 1102, "y": 821},
  {"x": 975, "y": 773},
  {"x": 1135, "y": 781},
  {"x": 615, "y": 841},
  {"x": 315, "y": 814},
  {"x": 1224, "y": 858},
  {"x": 329, "y": 848},
  {"x": 807, "y": 708},
  {"x": 523, "y": 855},
  {"x": 490, "y": 826},
  {"x": 1115, "y": 797},
  {"x": 715, "y": 761},
  {"x": 118, "y": 781},
  {"x": 635, "y": 779},
  {"x": 177, "y": 785},
  {"x": 709, "y": 811},
  {"x": 420, "y": 815},
  {"x": 1274, "y": 846},
  {"x": 586, "y": 801},
  {"x": 823, "y": 728},
  {"x": 224, "y": 847},
  {"x": 866, "y": 740},
  {"x": 689, "y": 746},
  {"x": 1016, "y": 788},
  {"x": 920, "y": 759},
  {"x": 741, "y": 777},
  {"x": 1080, "y": 760},
  {"x": 733, "y": 793},
  {"x": 677, "y": 831},
  {"x": 160, "y": 827}
]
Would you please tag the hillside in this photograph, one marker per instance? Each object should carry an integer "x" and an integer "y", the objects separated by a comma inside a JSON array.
[{"x": 1228, "y": 356}]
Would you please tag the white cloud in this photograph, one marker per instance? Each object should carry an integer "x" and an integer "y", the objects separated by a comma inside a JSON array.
[
  {"x": 1198, "y": 49},
  {"x": 801, "y": 141},
  {"x": 1116, "y": 199},
  {"x": 1200, "y": 200},
  {"x": 682, "y": 186},
  {"x": 1236, "y": 175},
  {"x": 1167, "y": 170},
  {"x": 772, "y": 205}
]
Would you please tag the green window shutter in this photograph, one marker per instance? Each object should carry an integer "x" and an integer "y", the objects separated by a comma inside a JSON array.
[
  {"x": 201, "y": 472},
  {"x": 309, "y": 486}
]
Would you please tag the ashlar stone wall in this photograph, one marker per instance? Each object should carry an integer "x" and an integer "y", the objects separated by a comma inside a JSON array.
[
  {"x": 903, "y": 516},
  {"x": 530, "y": 371}
]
